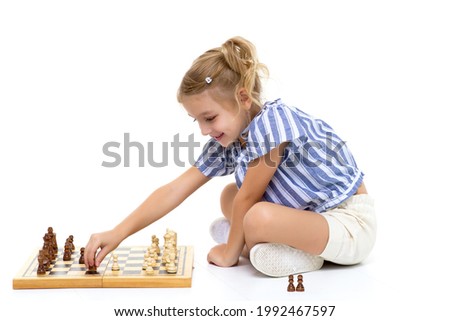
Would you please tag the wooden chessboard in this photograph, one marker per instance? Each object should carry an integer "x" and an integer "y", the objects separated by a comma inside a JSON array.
[{"x": 70, "y": 274}]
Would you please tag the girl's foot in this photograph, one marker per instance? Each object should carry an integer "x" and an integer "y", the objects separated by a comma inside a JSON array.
[{"x": 279, "y": 260}]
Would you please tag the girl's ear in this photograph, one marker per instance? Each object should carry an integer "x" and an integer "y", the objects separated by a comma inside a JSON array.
[{"x": 244, "y": 98}]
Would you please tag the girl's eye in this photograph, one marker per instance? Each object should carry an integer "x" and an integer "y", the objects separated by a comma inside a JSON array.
[{"x": 210, "y": 118}]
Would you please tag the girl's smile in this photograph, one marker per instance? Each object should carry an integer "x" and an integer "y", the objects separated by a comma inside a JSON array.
[{"x": 218, "y": 138}]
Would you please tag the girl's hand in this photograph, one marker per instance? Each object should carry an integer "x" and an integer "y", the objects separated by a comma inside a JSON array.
[
  {"x": 106, "y": 241},
  {"x": 218, "y": 256}
]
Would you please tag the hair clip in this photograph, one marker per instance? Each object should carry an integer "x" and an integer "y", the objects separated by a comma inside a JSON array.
[{"x": 208, "y": 80}]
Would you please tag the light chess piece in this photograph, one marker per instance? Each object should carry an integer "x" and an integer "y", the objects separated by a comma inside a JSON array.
[{"x": 115, "y": 267}]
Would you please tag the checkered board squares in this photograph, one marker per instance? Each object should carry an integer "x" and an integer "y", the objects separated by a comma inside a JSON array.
[
  {"x": 72, "y": 267},
  {"x": 130, "y": 261},
  {"x": 71, "y": 274}
]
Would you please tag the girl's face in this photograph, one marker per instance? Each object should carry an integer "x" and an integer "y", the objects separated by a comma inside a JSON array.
[{"x": 222, "y": 120}]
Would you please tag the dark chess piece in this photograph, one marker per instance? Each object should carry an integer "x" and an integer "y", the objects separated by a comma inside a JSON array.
[
  {"x": 291, "y": 287},
  {"x": 71, "y": 242},
  {"x": 47, "y": 246},
  {"x": 81, "y": 261},
  {"x": 53, "y": 242},
  {"x": 67, "y": 252},
  {"x": 92, "y": 270},
  {"x": 300, "y": 287},
  {"x": 43, "y": 261},
  {"x": 48, "y": 259}
]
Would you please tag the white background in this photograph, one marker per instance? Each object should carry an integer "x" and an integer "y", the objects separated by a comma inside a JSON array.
[{"x": 75, "y": 75}]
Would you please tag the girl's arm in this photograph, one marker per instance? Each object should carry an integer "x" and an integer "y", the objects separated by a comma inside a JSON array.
[
  {"x": 260, "y": 172},
  {"x": 159, "y": 203}
]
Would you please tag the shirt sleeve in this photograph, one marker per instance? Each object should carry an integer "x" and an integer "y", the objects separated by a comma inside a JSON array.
[
  {"x": 273, "y": 126},
  {"x": 215, "y": 160}
]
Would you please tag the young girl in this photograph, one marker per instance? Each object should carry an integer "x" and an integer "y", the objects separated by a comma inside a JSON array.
[{"x": 299, "y": 197}]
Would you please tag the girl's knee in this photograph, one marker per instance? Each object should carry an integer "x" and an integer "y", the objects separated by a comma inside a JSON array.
[
  {"x": 229, "y": 191},
  {"x": 227, "y": 197},
  {"x": 258, "y": 218}
]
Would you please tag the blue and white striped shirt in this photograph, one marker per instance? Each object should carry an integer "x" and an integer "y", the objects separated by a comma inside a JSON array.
[{"x": 317, "y": 171}]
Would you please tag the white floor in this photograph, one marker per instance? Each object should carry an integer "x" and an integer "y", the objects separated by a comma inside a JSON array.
[{"x": 354, "y": 291}]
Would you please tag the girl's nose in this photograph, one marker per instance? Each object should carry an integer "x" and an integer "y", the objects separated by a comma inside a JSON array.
[{"x": 205, "y": 129}]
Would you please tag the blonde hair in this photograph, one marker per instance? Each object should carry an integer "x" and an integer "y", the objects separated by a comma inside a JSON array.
[{"x": 228, "y": 68}]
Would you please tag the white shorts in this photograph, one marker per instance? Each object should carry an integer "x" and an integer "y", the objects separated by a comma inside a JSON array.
[{"x": 352, "y": 230}]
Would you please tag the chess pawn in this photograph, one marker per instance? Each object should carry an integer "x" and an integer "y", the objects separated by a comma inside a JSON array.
[
  {"x": 300, "y": 287},
  {"x": 67, "y": 252},
  {"x": 41, "y": 267},
  {"x": 291, "y": 287},
  {"x": 170, "y": 266},
  {"x": 81, "y": 260},
  {"x": 115, "y": 267},
  {"x": 71, "y": 242},
  {"x": 92, "y": 270}
]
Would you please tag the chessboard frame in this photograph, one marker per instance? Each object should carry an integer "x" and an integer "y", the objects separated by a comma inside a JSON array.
[{"x": 70, "y": 274}]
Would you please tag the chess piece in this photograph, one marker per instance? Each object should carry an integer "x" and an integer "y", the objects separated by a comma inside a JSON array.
[
  {"x": 47, "y": 259},
  {"x": 70, "y": 240},
  {"x": 67, "y": 252},
  {"x": 155, "y": 243},
  {"x": 151, "y": 261},
  {"x": 154, "y": 248},
  {"x": 53, "y": 242},
  {"x": 149, "y": 270},
  {"x": 170, "y": 266},
  {"x": 92, "y": 270},
  {"x": 81, "y": 260},
  {"x": 145, "y": 263},
  {"x": 300, "y": 287},
  {"x": 291, "y": 287},
  {"x": 47, "y": 246},
  {"x": 68, "y": 249},
  {"x": 115, "y": 266},
  {"x": 152, "y": 253},
  {"x": 42, "y": 268}
]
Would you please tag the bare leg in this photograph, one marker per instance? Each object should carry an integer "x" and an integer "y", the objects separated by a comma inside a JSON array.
[
  {"x": 227, "y": 198},
  {"x": 226, "y": 204},
  {"x": 272, "y": 223}
]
